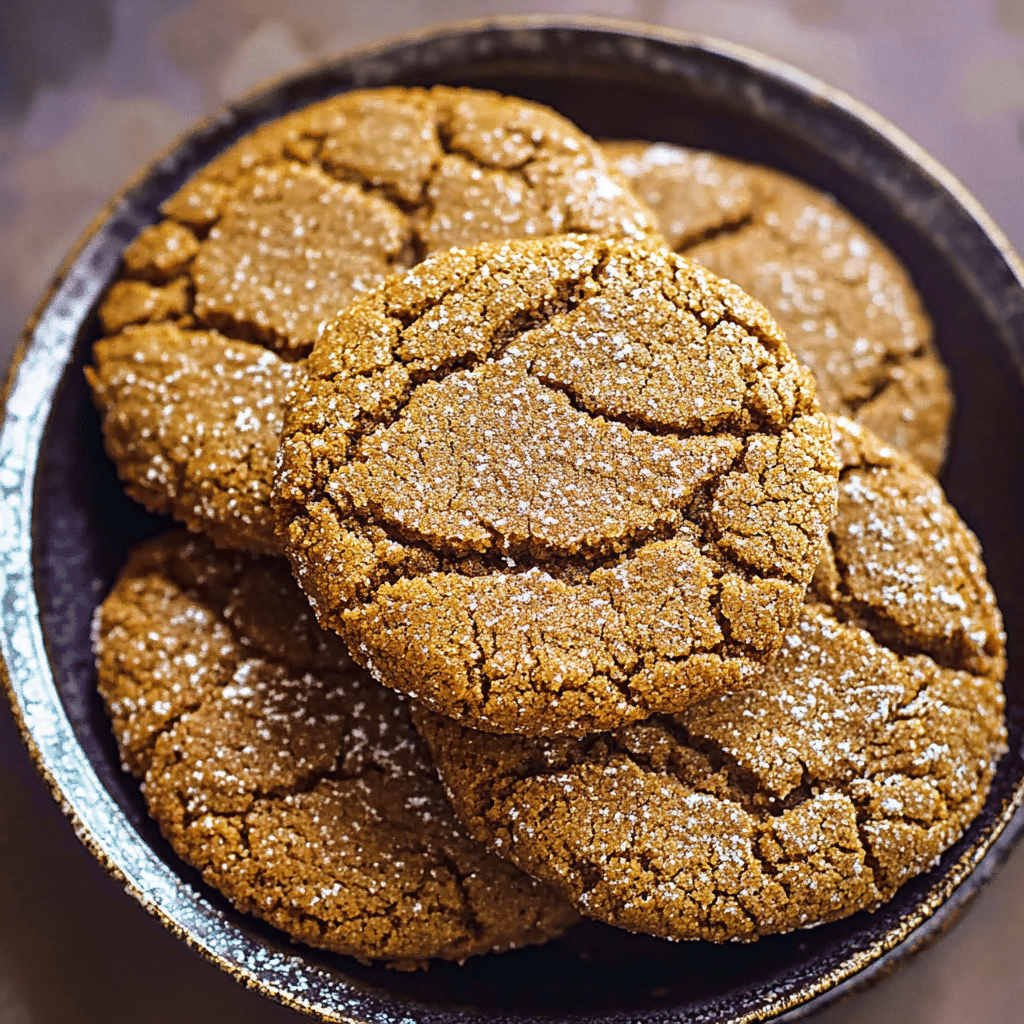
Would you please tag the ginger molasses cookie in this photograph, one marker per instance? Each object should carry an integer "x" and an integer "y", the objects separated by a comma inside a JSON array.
[
  {"x": 861, "y": 753},
  {"x": 192, "y": 421},
  {"x": 555, "y": 485},
  {"x": 283, "y": 230},
  {"x": 294, "y": 783},
  {"x": 846, "y": 305}
]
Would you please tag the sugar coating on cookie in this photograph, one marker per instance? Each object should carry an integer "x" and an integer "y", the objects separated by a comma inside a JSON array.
[
  {"x": 555, "y": 485},
  {"x": 294, "y": 783},
  {"x": 861, "y": 753},
  {"x": 193, "y": 421},
  {"x": 846, "y": 305},
  {"x": 288, "y": 226}
]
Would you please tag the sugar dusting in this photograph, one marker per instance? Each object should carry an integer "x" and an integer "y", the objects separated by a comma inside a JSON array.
[
  {"x": 848, "y": 308},
  {"x": 538, "y": 530},
  {"x": 271, "y": 239},
  {"x": 298, "y": 789},
  {"x": 850, "y": 765}
]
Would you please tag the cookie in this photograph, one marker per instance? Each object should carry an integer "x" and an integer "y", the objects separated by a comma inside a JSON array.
[
  {"x": 292, "y": 781},
  {"x": 555, "y": 485},
  {"x": 846, "y": 305},
  {"x": 282, "y": 231},
  {"x": 192, "y": 421},
  {"x": 847, "y": 767}
]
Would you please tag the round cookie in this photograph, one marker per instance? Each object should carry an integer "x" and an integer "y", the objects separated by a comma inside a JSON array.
[
  {"x": 283, "y": 230},
  {"x": 555, "y": 485},
  {"x": 846, "y": 305},
  {"x": 860, "y": 754},
  {"x": 192, "y": 421},
  {"x": 294, "y": 783}
]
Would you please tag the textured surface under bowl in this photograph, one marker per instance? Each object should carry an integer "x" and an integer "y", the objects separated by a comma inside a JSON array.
[{"x": 65, "y": 525}]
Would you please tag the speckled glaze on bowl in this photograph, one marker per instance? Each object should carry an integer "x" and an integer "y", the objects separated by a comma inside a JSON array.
[{"x": 66, "y": 525}]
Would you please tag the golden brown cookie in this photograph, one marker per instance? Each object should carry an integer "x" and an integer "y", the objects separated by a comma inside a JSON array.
[
  {"x": 192, "y": 422},
  {"x": 291, "y": 780},
  {"x": 862, "y": 752},
  {"x": 846, "y": 305},
  {"x": 282, "y": 231},
  {"x": 555, "y": 485}
]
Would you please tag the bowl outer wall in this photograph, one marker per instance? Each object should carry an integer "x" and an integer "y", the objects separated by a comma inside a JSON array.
[{"x": 543, "y": 58}]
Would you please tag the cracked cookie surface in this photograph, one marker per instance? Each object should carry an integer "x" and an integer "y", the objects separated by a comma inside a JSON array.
[
  {"x": 555, "y": 485},
  {"x": 295, "y": 783},
  {"x": 192, "y": 421},
  {"x": 846, "y": 305},
  {"x": 860, "y": 754},
  {"x": 283, "y": 230}
]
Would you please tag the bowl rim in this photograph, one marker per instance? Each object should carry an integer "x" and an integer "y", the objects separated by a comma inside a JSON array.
[{"x": 36, "y": 368}]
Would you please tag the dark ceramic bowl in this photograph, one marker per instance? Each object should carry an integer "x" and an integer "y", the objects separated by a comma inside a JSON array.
[{"x": 66, "y": 524}]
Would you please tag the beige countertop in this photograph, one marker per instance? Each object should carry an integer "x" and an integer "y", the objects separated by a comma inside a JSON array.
[{"x": 90, "y": 90}]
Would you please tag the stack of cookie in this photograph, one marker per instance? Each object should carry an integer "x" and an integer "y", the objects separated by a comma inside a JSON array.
[{"x": 574, "y": 616}]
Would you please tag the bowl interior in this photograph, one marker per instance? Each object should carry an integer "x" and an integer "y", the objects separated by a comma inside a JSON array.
[{"x": 615, "y": 85}]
